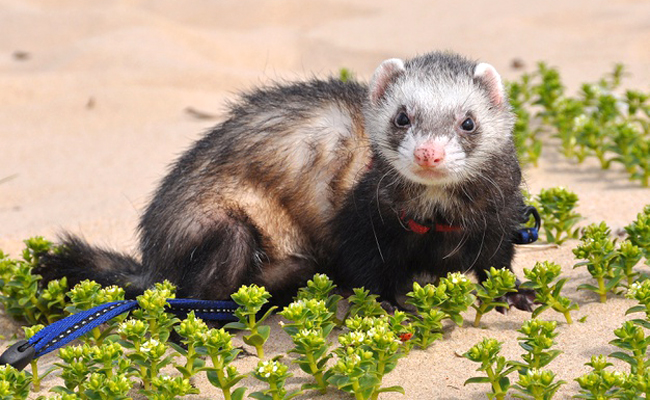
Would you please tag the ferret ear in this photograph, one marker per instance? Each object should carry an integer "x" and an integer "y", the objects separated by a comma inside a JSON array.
[
  {"x": 383, "y": 76},
  {"x": 491, "y": 78}
]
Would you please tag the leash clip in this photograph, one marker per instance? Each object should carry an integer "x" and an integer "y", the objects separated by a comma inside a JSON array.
[
  {"x": 529, "y": 235},
  {"x": 19, "y": 355}
]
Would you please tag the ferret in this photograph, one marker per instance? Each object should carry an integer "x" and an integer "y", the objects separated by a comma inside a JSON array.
[{"x": 414, "y": 173}]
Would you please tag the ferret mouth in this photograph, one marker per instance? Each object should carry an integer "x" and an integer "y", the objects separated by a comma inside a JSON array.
[{"x": 431, "y": 174}]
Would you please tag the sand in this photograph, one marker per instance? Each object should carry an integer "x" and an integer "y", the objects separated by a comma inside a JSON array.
[{"x": 94, "y": 98}]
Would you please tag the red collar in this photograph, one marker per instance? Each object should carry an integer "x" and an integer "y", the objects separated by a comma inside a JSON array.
[{"x": 420, "y": 229}]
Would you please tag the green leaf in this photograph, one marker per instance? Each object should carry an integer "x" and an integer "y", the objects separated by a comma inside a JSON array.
[
  {"x": 505, "y": 381},
  {"x": 339, "y": 380},
  {"x": 260, "y": 396},
  {"x": 624, "y": 357},
  {"x": 558, "y": 287},
  {"x": 642, "y": 322},
  {"x": 238, "y": 394},
  {"x": 213, "y": 378},
  {"x": 397, "y": 389},
  {"x": 539, "y": 310},
  {"x": 477, "y": 379},
  {"x": 235, "y": 325},
  {"x": 457, "y": 318},
  {"x": 635, "y": 309},
  {"x": 612, "y": 283},
  {"x": 266, "y": 314},
  {"x": 178, "y": 348},
  {"x": 586, "y": 286},
  {"x": 253, "y": 340},
  {"x": 264, "y": 331}
]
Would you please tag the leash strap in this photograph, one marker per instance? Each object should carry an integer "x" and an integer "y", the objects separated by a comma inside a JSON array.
[
  {"x": 67, "y": 329},
  {"x": 64, "y": 331}
]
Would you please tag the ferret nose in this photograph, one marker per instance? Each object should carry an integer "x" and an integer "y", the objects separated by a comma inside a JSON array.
[{"x": 429, "y": 154}]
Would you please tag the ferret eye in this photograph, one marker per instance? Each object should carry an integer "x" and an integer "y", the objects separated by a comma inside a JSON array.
[
  {"x": 402, "y": 120},
  {"x": 468, "y": 125}
]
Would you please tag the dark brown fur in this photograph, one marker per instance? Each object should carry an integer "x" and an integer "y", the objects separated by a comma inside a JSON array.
[{"x": 295, "y": 181}]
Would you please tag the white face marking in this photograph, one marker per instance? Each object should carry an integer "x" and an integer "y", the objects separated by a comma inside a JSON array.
[{"x": 437, "y": 107}]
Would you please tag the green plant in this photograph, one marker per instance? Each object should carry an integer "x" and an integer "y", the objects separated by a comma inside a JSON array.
[
  {"x": 100, "y": 386},
  {"x": 218, "y": 346},
  {"x": 490, "y": 292},
  {"x": 309, "y": 328},
  {"x": 320, "y": 288},
  {"x": 167, "y": 388},
  {"x": 639, "y": 232},
  {"x": 458, "y": 289},
  {"x": 367, "y": 353},
  {"x": 599, "y": 251},
  {"x": 538, "y": 337},
  {"x": 527, "y": 143},
  {"x": 640, "y": 156},
  {"x": 495, "y": 366},
  {"x": 632, "y": 339},
  {"x": 20, "y": 293},
  {"x": 275, "y": 374},
  {"x": 541, "y": 277},
  {"x": 147, "y": 332},
  {"x": 346, "y": 75},
  {"x": 427, "y": 321},
  {"x": 192, "y": 331},
  {"x": 364, "y": 304},
  {"x": 600, "y": 384},
  {"x": 640, "y": 291},
  {"x": 549, "y": 91},
  {"x": 536, "y": 384},
  {"x": 251, "y": 299},
  {"x": 556, "y": 208},
  {"x": 628, "y": 256},
  {"x": 14, "y": 384},
  {"x": 94, "y": 372}
]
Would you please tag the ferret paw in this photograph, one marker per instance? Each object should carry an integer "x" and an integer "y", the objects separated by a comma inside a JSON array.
[
  {"x": 389, "y": 307},
  {"x": 523, "y": 299}
]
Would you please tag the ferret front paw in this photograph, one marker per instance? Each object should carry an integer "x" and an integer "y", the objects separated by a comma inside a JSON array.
[{"x": 523, "y": 299}]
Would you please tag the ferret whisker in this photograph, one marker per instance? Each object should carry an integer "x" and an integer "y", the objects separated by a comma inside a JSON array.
[
  {"x": 480, "y": 248},
  {"x": 377, "y": 196}
]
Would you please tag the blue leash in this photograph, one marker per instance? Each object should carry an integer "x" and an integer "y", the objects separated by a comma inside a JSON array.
[
  {"x": 67, "y": 329},
  {"x": 64, "y": 331}
]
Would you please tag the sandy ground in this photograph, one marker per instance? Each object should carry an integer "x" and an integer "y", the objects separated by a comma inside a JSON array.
[{"x": 93, "y": 99}]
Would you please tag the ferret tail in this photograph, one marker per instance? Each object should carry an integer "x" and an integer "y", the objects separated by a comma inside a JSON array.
[{"x": 77, "y": 260}]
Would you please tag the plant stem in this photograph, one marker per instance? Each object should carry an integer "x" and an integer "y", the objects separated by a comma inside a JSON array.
[
  {"x": 222, "y": 381},
  {"x": 97, "y": 333},
  {"x": 252, "y": 325},
  {"x": 496, "y": 386},
  {"x": 640, "y": 362},
  {"x": 36, "y": 380},
  {"x": 381, "y": 366},
  {"x": 601, "y": 289},
  {"x": 479, "y": 315},
  {"x": 274, "y": 390},
  {"x": 189, "y": 364},
  {"x": 356, "y": 388},
  {"x": 318, "y": 375}
]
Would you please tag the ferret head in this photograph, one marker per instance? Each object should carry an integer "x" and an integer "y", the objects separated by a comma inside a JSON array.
[{"x": 439, "y": 118}]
